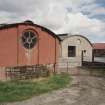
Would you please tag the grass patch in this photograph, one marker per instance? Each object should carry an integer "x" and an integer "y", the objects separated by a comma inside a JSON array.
[{"x": 11, "y": 91}]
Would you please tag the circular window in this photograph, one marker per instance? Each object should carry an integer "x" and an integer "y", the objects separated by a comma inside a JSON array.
[{"x": 29, "y": 39}]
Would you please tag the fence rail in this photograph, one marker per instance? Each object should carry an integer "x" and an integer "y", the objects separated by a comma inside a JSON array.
[
  {"x": 88, "y": 68},
  {"x": 35, "y": 71}
]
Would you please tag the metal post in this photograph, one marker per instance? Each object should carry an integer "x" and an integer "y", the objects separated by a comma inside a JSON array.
[
  {"x": 55, "y": 68},
  {"x": 67, "y": 67},
  {"x": 93, "y": 55}
]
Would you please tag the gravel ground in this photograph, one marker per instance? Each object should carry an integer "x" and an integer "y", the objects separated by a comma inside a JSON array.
[{"x": 85, "y": 90}]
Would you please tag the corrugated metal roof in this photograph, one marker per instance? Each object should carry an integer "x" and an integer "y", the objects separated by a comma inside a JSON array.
[
  {"x": 99, "y": 45},
  {"x": 62, "y": 36},
  {"x": 28, "y": 22}
]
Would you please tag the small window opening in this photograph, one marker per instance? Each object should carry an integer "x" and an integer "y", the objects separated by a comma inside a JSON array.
[
  {"x": 71, "y": 51},
  {"x": 29, "y": 39}
]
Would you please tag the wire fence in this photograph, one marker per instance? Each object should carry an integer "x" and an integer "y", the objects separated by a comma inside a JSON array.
[
  {"x": 71, "y": 67},
  {"x": 83, "y": 68}
]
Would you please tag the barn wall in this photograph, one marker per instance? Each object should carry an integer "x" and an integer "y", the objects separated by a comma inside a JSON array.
[
  {"x": 25, "y": 56},
  {"x": 42, "y": 53},
  {"x": 13, "y": 52},
  {"x": 8, "y": 47},
  {"x": 46, "y": 48}
]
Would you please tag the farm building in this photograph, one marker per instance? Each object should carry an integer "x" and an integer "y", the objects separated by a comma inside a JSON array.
[
  {"x": 99, "y": 49},
  {"x": 29, "y": 44},
  {"x": 75, "y": 49},
  {"x": 26, "y": 44}
]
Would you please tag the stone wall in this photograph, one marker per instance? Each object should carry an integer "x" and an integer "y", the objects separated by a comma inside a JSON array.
[{"x": 81, "y": 44}]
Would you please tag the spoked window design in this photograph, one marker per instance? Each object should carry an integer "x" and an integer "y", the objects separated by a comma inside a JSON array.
[{"x": 29, "y": 39}]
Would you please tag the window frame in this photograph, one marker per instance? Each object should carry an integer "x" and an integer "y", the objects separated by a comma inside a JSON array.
[
  {"x": 26, "y": 41},
  {"x": 71, "y": 51}
]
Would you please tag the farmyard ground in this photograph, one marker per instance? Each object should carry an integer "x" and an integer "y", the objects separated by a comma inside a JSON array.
[{"x": 85, "y": 90}]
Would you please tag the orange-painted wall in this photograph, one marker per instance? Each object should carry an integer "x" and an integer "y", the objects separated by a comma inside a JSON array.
[
  {"x": 13, "y": 53},
  {"x": 8, "y": 47}
]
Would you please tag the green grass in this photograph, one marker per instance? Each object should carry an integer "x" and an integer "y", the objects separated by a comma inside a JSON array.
[{"x": 11, "y": 91}]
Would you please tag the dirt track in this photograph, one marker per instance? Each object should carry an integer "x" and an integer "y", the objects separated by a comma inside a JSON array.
[{"x": 85, "y": 90}]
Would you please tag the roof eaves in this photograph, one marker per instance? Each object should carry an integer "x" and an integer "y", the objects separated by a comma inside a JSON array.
[{"x": 32, "y": 24}]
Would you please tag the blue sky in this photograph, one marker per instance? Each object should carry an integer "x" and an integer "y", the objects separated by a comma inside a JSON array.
[{"x": 85, "y": 17}]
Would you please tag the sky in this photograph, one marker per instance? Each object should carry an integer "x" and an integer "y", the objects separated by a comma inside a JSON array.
[{"x": 83, "y": 17}]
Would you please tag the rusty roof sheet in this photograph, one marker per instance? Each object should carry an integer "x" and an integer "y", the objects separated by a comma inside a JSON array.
[
  {"x": 5, "y": 26},
  {"x": 98, "y": 45}
]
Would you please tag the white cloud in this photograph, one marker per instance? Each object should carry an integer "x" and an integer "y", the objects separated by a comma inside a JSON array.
[
  {"x": 79, "y": 23},
  {"x": 61, "y": 16},
  {"x": 98, "y": 11}
]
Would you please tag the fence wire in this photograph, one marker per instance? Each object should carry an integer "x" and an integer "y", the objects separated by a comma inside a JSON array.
[{"x": 83, "y": 68}]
